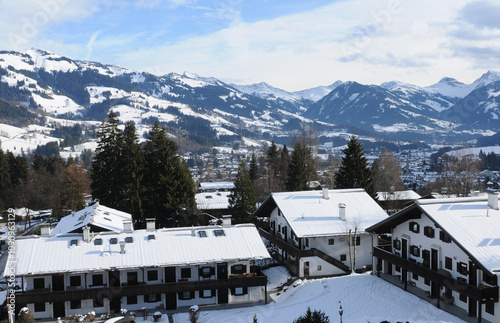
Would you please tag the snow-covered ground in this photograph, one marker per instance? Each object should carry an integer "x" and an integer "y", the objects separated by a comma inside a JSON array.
[{"x": 364, "y": 298}]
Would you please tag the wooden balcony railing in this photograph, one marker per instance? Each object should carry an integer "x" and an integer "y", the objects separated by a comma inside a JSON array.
[
  {"x": 298, "y": 253},
  {"x": 34, "y": 296},
  {"x": 483, "y": 293}
]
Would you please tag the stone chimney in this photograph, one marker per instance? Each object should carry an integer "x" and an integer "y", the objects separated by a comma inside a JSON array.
[
  {"x": 45, "y": 230},
  {"x": 127, "y": 226},
  {"x": 226, "y": 221},
  {"x": 150, "y": 225},
  {"x": 325, "y": 193},
  {"x": 342, "y": 215},
  {"x": 122, "y": 247},
  {"x": 493, "y": 200}
]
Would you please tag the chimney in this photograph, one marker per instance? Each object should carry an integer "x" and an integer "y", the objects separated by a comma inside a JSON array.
[
  {"x": 193, "y": 232},
  {"x": 325, "y": 193},
  {"x": 45, "y": 230},
  {"x": 127, "y": 226},
  {"x": 474, "y": 193},
  {"x": 122, "y": 247},
  {"x": 226, "y": 221},
  {"x": 86, "y": 234},
  {"x": 493, "y": 200},
  {"x": 150, "y": 225},
  {"x": 342, "y": 211}
]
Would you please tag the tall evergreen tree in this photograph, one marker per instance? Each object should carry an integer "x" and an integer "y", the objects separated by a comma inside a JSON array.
[
  {"x": 5, "y": 183},
  {"x": 354, "y": 171},
  {"x": 105, "y": 165},
  {"x": 169, "y": 189},
  {"x": 254, "y": 168},
  {"x": 242, "y": 199},
  {"x": 302, "y": 168},
  {"x": 131, "y": 166}
]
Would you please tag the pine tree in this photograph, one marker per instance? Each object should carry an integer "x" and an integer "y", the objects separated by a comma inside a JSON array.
[
  {"x": 315, "y": 316},
  {"x": 354, "y": 171},
  {"x": 131, "y": 172},
  {"x": 105, "y": 165},
  {"x": 5, "y": 183},
  {"x": 254, "y": 168},
  {"x": 169, "y": 189},
  {"x": 242, "y": 199},
  {"x": 302, "y": 168}
]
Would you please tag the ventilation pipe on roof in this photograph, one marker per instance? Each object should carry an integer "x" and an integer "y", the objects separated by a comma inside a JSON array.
[
  {"x": 45, "y": 230},
  {"x": 193, "y": 232},
  {"x": 150, "y": 225},
  {"x": 127, "y": 226},
  {"x": 493, "y": 200},
  {"x": 226, "y": 221},
  {"x": 86, "y": 234},
  {"x": 325, "y": 193},
  {"x": 122, "y": 247},
  {"x": 342, "y": 211}
]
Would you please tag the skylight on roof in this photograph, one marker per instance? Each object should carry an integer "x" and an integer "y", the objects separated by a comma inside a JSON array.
[
  {"x": 219, "y": 233},
  {"x": 113, "y": 241},
  {"x": 202, "y": 234},
  {"x": 97, "y": 242},
  {"x": 129, "y": 239},
  {"x": 73, "y": 242},
  {"x": 151, "y": 237},
  {"x": 105, "y": 218}
]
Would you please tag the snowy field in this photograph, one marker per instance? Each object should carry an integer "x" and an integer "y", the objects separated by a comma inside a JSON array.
[{"x": 364, "y": 298}]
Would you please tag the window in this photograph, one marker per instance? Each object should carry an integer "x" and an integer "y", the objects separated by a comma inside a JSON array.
[
  {"x": 97, "y": 280},
  {"x": 396, "y": 244},
  {"x": 75, "y": 281},
  {"x": 415, "y": 276},
  {"x": 207, "y": 293},
  {"x": 132, "y": 299},
  {"x": 238, "y": 291},
  {"x": 414, "y": 227},
  {"x": 427, "y": 282},
  {"x": 306, "y": 243},
  {"x": 238, "y": 269},
  {"x": 97, "y": 242},
  {"x": 113, "y": 241},
  {"x": 319, "y": 267},
  {"x": 185, "y": 272},
  {"x": 429, "y": 232},
  {"x": 490, "y": 308},
  {"x": 186, "y": 295},
  {"x": 38, "y": 283},
  {"x": 343, "y": 257},
  {"x": 462, "y": 268},
  {"x": 398, "y": 269},
  {"x": 132, "y": 277},
  {"x": 76, "y": 304},
  {"x": 202, "y": 234},
  {"x": 426, "y": 256},
  {"x": 415, "y": 251},
  {"x": 206, "y": 272},
  {"x": 129, "y": 239},
  {"x": 490, "y": 279},
  {"x": 152, "y": 298},
  {"x": 97, "y": 302},
  {"x": 39, "y": 307},
  {"x": 219, "y": 233},
  {"x": 463, "y": 298},
  {"x": 331, "y": 242},
  {"x": 443, "y": 236},
  {"x": 152, "y": 275},
  {"x": 356, "y": 241},
  {"x": 448, "y": 263}
]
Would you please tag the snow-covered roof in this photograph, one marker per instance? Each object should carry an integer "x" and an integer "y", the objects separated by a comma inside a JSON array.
[
  {"x": 471, "y": 223},
  {"x": 213, "y": 186},
  {"x": 96, "y": 215},
  {"x": 310, "y": 214},
  {"x": 398, "y": 195},
  {"x": 164, "y": 247},
  {"x": 212, "y": 201}
]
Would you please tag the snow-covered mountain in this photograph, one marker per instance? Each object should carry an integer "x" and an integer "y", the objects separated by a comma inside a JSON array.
[{"x": 205, "y": 107}]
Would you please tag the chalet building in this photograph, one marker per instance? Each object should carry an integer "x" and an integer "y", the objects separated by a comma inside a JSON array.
[
  {"x": 449, "y": 248},
  {"x": 97, "y": 217},
  {"x": 166, "y": 268},
  {"x": 215, "y": 186},
  {"x": 213, "y": 203},
  {"x": 395, "y": 201},
  {"x": 321, "y": 233}
]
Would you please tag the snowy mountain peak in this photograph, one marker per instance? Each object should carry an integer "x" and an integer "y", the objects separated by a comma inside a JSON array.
[
  {"x": 486, "y": 78},
  {"x": 266, "y": 91},
  {"x": 317, "y": 93},
  {"x": 450, "y": 87}
]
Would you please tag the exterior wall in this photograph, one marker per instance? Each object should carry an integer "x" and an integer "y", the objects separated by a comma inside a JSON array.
[
  {"x": 318, "y": 267},
  {"x": 448, "y": 250},
  {"x": 341, "y": 247},
  {"x": 253, "y": 294},
  {"x": 43, "y": 314},
  {"x": 30, "y": 285}
]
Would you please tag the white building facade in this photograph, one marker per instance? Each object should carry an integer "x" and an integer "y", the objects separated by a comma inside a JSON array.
[
  {"x": 157, "y": 269},
  {"x": 449, "y": 248},
  {"x": 321, "y": 233}
]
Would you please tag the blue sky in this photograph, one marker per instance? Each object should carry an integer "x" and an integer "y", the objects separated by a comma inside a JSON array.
[{"x": 290, "y": 44}]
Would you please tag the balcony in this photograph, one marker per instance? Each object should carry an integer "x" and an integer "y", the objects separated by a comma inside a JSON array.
[
  {"x": 37, "y": 296},
  {"x": 483, "y": 293}
]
